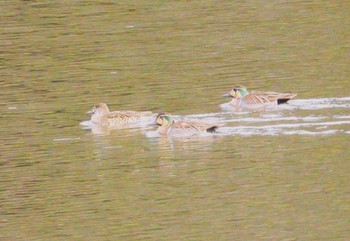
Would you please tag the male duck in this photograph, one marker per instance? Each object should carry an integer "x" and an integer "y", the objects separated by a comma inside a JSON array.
[
  {"x": 169, "y": 127},
  {"x": 103, "y": 117},
  {"x": 242, "y": 99}
]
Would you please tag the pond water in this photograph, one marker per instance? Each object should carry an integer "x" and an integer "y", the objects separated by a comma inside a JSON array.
[{"x": 279, "y": 174}]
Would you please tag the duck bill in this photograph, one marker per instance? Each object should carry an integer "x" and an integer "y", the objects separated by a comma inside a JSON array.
[
  {"x": 89, "y": 112},
  {"x": 226, "y": 95},
  {"x": 154, "y": 123}
]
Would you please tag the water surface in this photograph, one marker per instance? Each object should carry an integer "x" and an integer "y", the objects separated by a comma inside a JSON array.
[{"x": 281, "y": 174}]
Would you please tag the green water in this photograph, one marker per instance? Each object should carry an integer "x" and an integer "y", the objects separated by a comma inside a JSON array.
[{"x": 60, "y": 181}]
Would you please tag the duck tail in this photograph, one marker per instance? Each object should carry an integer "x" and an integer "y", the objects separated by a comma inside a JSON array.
[
  {"x": 282, "y": 101},
  {"x": 285, "y": 98},
  {"x": 212, "y": 129}
]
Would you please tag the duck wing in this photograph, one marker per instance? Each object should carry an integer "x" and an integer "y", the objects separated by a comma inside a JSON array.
[
  {"x": 185, "y": 126},
  {"x": 131, "y": 113},
  {"x": 196, "y": 126},
  {"x": 259, "y": 97}
]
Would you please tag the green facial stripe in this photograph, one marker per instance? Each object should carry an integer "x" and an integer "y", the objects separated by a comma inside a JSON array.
[
  {"x": 168, "y": 120},
  {"x": 243, "y": 91}
]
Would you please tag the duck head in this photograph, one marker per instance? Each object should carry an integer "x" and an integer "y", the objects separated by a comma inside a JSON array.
[
  {"x": 164, "y": 120},
  {"x": 237, "y": 92},
  {"x": 100, "y": 109}
]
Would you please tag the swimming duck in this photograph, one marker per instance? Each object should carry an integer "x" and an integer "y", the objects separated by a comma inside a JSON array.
[
  {"x": 103, "y": 117},
  {"x": 242, "y": 99},
  {"x": 169, "y": 127}
]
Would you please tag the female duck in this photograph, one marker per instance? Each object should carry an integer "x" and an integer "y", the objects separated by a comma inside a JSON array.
[
  {"x": 168, "y": 127},
  {"x": 103, "y": 117},
  {"x": 242, "y": 99}
]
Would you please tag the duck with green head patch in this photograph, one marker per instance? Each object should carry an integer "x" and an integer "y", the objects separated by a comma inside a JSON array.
[
  {"x": 256, "y": 100},
  {"x": 169, "y": 127},
  {"x": 103, "y": 117}
]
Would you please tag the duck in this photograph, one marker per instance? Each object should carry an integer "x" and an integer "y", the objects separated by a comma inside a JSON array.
[
  {"x": 100, "y": 115},
  {"x": 167, "y": 126},
  {"x": 243, "y": 100}
]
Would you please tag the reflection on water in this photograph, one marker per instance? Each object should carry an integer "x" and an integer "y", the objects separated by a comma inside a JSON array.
[
  {"x": 271, "y": 121},
  {"x": 290, "y": 118},
  {"x": 280, "y": 174}
]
